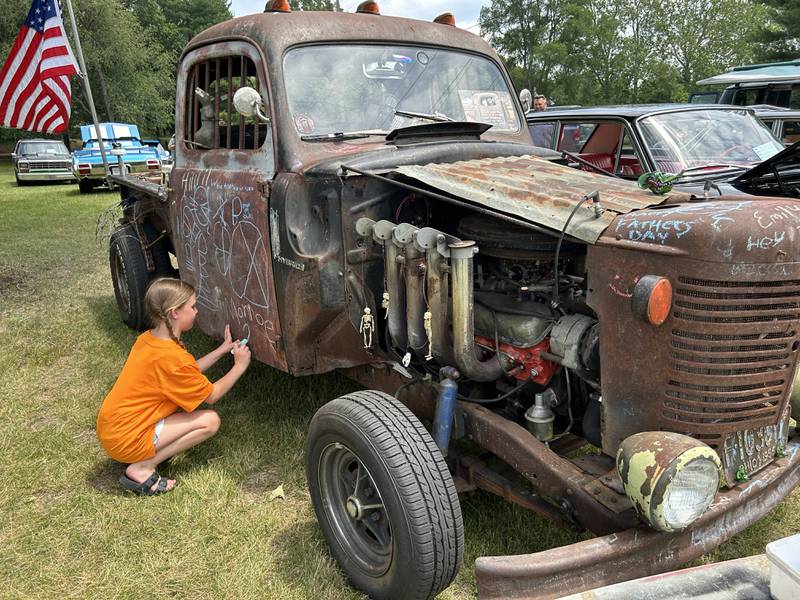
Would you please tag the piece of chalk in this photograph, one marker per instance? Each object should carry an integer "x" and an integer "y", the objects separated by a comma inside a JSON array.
[{"x": 241, "y": 343}]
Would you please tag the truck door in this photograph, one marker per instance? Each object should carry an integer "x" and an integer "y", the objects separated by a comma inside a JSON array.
[{"x": 224, "y": 164}]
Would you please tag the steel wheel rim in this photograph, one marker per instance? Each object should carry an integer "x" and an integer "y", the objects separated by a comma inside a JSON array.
[
  {"x": 355, "y": 509},
  {"x": 121, "y": 285}
]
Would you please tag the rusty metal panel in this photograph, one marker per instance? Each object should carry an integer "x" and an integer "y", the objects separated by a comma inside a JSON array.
[
  {"x": 723, "y": 361},
  {"x": 221, "y": 234},
  {"x": 539, "y": 191}
]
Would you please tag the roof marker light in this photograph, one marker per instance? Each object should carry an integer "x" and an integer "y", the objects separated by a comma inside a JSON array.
[
  {"x": 279, "y": 6},
  {"x": 446, "y": 19},
  {"x": 368, "y": 8}
]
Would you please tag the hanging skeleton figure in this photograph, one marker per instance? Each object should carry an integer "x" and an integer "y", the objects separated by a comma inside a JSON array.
[{"x": 204, "y": 137}]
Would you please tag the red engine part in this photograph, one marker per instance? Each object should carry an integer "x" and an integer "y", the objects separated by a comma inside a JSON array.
[{"x": 528, "y": 359}]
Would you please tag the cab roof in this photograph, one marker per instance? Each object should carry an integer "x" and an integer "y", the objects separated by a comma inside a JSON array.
[{"x": 275, "y": 32}]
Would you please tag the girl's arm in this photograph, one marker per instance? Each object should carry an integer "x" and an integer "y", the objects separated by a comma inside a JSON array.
[
  {"x": 241, "y": 360},
  {"x": 205, "y": 362}
]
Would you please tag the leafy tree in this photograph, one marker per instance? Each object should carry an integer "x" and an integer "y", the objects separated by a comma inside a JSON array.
[{"x": 780, "y": 35}]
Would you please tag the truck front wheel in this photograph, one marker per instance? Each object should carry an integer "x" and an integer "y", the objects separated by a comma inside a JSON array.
[{"x": 384, "y": 498}]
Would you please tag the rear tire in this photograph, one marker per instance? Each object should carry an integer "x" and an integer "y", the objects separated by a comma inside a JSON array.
[
  {"x": 384, "y": 498},
  {"x": 85, "y": 186},
  {"x": 129, "y": 272}
]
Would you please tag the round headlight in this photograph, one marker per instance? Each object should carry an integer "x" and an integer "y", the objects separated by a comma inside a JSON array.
[
  {"x": 670, "y": 478},
  {"x": 690, "y": 493}
]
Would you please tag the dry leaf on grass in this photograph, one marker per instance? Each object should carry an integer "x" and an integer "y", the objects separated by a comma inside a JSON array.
[{"x": 277, "y": 493}]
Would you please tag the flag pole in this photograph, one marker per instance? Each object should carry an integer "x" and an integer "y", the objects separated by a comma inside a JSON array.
[{"x": 85, "y": 75}]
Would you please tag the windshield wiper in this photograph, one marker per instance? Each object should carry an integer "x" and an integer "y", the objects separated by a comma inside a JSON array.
[
  {"x": 341, "y": 135},
  {"x": 437, "y": 116},
  {"x": 689, "y": 172}
]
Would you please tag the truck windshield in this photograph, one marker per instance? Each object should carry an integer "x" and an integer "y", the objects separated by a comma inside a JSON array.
[
  {"x": 43, "y": 148},
  {"x": 375, "y": 89},
  {"x": 693, "y": 139}
]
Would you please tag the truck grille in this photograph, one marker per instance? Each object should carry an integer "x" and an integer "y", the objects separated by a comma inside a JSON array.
[
  {"x": 49, "y": 165},
  {"x": 732, "y": 351}
]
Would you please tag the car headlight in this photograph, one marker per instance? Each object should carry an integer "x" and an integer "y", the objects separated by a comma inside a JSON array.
[
  {"x": 24, "y": 166},
  {"x": 670, "y": 478}
]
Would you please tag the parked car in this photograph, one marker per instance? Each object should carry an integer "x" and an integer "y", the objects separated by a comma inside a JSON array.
[
  {"x": 783, "y": 122},
  {"x": 353, "y": 210},
  {"x": 87, "y": 163},
  {"x": 163, "y": 154},
  {"x": 777, "y": 84},
  {"x": 41, "y": 160},
  {"x": 703, "y": 143}
]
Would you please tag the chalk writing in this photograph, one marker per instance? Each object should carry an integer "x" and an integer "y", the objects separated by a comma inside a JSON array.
[
  {"x": 765, "y": 242},
  {"x": 653, "y": 230}
]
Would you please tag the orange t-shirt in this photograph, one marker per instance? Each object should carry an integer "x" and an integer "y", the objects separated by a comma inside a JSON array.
[{"x": 158, "y": 378}]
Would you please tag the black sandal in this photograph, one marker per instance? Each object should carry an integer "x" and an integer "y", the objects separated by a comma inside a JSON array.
[{"x": 145, "y": 488}]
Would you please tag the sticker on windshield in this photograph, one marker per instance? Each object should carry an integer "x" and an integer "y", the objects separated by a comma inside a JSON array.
[
  {"x": 304, "y": 123},
  {"x": 493, "y": 108},
  {"x": 765, "y": 151}
]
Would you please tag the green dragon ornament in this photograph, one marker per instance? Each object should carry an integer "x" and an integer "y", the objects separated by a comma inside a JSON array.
[{"x": 657, "y": 182}]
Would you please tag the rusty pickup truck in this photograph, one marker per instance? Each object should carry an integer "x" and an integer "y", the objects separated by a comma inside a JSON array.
[{"x": 357, "y": 192}]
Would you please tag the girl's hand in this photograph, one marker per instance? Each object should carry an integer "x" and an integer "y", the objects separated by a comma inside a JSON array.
[
  {"x": 241, "y": 355},
  {"x": 228, "y": 343}
]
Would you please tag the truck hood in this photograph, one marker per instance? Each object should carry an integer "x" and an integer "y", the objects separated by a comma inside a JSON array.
[
  {"x": 539, "y": 191},
  {"x": 750, "y": 233}
]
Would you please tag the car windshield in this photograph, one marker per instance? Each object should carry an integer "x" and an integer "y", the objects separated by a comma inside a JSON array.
[
  {"x": 365, "y": 88},
  {"x": 43, "y": 148},
  {"x": 704, "y": 138}
]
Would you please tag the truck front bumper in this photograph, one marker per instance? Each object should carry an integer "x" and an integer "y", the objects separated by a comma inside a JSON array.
[
  {"x": 640, "y": 551},
  {"x": 46, "y": 176}
]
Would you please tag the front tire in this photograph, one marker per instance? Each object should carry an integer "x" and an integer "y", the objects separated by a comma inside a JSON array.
[
  {"x": 384, "y": 498},
  {"x": 129, "y": 275}
]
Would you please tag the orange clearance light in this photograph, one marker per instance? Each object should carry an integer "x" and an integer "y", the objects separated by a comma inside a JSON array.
[
  {"x": 368, "y": 8},
  {"x": 446, "y": 19},
  {"x": 281, "y": 6},
  {"x": 652, "y": 299}
]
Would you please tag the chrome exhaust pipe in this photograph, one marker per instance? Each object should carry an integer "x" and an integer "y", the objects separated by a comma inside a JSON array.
[
  {"x": 437, "y": 280},
  {"x": 414, "y": 272},
  {"x": 461, "y": 258},
  {"x": 383, "y": 233}
]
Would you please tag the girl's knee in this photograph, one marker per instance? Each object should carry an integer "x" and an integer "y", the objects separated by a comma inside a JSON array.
[{"x": 211, "y": 421}]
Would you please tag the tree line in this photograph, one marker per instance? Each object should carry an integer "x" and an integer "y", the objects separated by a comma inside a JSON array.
[
  {"x": 634, "y": 51},
  {"x": 573, "y": 51}
]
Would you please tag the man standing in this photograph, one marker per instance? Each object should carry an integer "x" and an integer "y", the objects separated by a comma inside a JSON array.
[{"x": 539, "y": 103}]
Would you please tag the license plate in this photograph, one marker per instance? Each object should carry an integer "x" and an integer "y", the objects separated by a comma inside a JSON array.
[{"x": 746, "y": 452}]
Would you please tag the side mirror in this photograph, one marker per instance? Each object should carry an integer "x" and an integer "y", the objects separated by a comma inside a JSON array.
[
  {"x": 13, "y": 156},
  {"x": 248, "y": 102},
  {"x": 526, "y": 99}
]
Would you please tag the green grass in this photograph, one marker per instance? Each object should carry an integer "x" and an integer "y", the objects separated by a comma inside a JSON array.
[{"x": 66, "y": 528}]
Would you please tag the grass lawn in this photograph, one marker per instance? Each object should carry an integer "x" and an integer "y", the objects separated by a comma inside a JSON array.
[{"x": 67, "y": 529}]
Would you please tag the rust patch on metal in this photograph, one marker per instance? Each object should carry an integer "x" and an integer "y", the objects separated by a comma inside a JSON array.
[{"x": 539, "y": 191}]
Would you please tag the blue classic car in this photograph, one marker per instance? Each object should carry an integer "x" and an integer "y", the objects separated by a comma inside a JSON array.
[{"x": 87, "y": 163}]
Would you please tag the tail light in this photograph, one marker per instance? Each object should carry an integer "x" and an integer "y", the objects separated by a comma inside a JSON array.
[
  {"x": 84, "y": 169},
  {"x": 152, "y": 164}
]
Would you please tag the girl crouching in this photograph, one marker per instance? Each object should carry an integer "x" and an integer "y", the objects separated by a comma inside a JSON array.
[{"x": 151, "y": 412}]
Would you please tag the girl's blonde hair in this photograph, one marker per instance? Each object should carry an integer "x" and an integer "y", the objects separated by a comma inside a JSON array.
[{"x": 164, "y": 295}]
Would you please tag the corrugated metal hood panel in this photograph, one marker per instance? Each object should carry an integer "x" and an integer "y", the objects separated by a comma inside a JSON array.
[{"x": 539, "y": 191}]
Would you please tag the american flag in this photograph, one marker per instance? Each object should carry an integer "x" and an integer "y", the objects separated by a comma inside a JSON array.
[{"x": 35, "y": 92}]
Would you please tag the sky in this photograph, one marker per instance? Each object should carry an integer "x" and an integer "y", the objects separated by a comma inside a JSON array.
[{"x": 465, "y": 11}]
